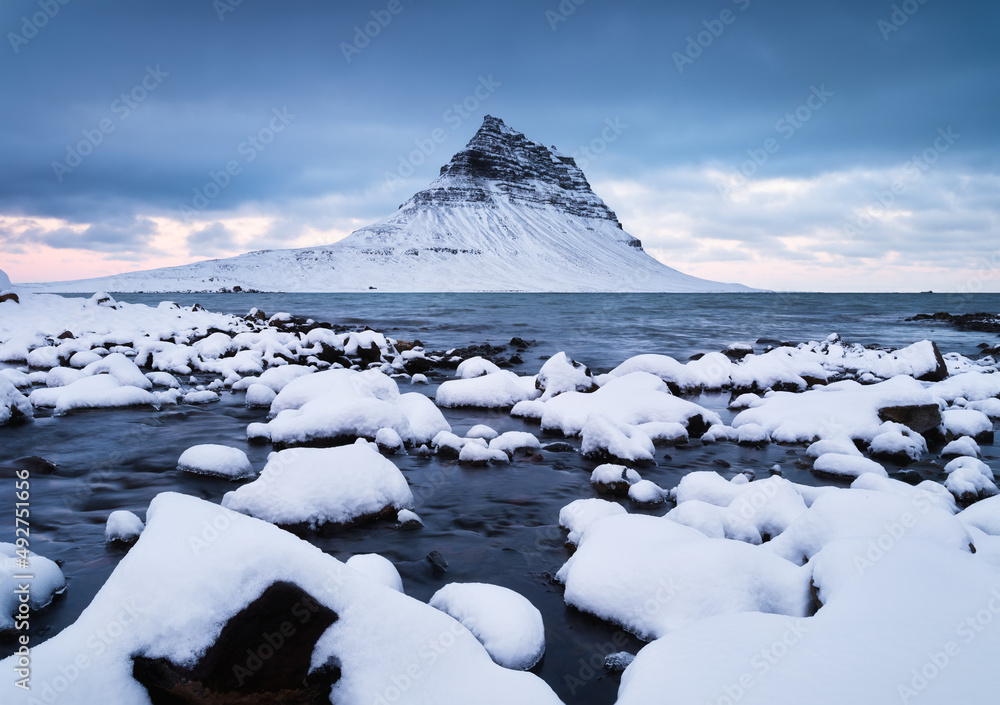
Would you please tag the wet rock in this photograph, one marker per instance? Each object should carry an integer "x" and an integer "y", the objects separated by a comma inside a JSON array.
[
  {"x": 418, "y": 365},
  {"x": 940, "y": 372},
  {"x": 284, "y": 624},
  {"x": 437, "y": 561},
  {"x": 559, "y": 447},
  {"x": 919, "y": 417},
  {"x": 36, "y": 465}
]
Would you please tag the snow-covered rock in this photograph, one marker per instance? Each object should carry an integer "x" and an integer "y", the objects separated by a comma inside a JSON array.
[
  {"x": 498, "y": 390},
  {"x": 46, "y": 582},
  {"x": 218, "y": 460},
  {"x": 561, "y": 373},
  {"x": 101, "y": 391},
  {"x": 377, "y": 568},
  {"x": 505, "y": 622},
  {"x": 13, "y": 404},
  {"x": 579, "y": 514},
  {"x": 123, "y": 526},
  {"x": 316, "y": 486},
  {"x": 851, "y": 466}
]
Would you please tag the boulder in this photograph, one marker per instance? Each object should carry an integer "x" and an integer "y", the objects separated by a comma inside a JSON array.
[{"x": 919, "y": 417}]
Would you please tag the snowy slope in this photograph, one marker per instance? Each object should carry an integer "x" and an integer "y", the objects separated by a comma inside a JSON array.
[{"x": 505, "y": 214}]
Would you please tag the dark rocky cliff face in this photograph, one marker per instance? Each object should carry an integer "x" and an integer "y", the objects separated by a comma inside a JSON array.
[{"x": 500, "y": 159}]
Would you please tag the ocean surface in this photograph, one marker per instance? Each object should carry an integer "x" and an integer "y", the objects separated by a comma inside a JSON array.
[{"x": 496, "y": 525}]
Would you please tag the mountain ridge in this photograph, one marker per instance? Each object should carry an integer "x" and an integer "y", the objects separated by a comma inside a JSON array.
[{"x": 504, "y": 214}]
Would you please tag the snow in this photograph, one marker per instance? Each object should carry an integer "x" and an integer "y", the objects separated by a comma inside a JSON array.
[
  {"x": 984, "y": 515},
  {"x": 845, "y": 408},
  {"x": 504, "y": 622},
  {"x": 752, "y": 434},
  {"x": 13, "y": 404},
  {"x": 603, "y": 438},
  {"x": 204, "y": 396},
  {"x": 377, "y": 568},
  {"x": 972, "y": 386},
  {"x": 170, "y": 596},
  {"x": 560, "y": 373},
  {"x": 481, "y": 431},
  {"x": 492, "y": 391},
  {"x": 475, "y": 367},
  {"x": 969, "y": 479},
  {"x": 647, "y": 492},
  {"x": 123, "y": 526},
  {"x": 846, "y": 465},
  {"x": 443, "y": 240},
  {"x": 896, "y": 439},
  {"x": 835, "y": 444},
  {"x": 216, "y": 460},
  {"x": 316, "y": 486},
  {"x": 872, "y": 515},
  {"x": 990, "y": 407},
  {"x": 347, "y": 403},
  {"x": 651, "y": 576},
  {"x": 475, "y": 453},
  {"x": 99, "y": 392},
  {"x": 259, "y": 395},
  {"x": 609, "y": 475},
  {"x": 629, "y": 400},
  {"x": 5, "y": 284},
  {"x": 46, "y": 582},
  {"x": 579, "y": 514},
  {"x": 510, "y": 441},
  {"x": 963, "y": 445},
  {"x": 965, "y": 422},
  {"x": 121, "y": 368},
  {"x": 906, "y": 630},
  {"x": 388, "y": 439}
]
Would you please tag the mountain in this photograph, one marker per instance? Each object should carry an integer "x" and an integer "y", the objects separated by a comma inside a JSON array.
[{"x": 505, "y": 214}]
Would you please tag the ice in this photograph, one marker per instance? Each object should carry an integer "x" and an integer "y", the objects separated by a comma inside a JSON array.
[
  {"x": 98, "y": 392},
  {"x": 170, "y": 596},
  {"x": 46, "y": 582},
  {"x": 843, "y": 408},
  {"x": 560, "y": 373},
  {"x": 846, "y": 465},
  {"x": 216, "y": 460},
  {"x": 316, "y": 486},
  {"x": 579, "y": 514},
  {"x": 13, "y": 404},
  {"x": 505, "y": 622},
  {"x": 475, "y": 367},
  {"x": 492, "y": 391},
  {"x": 651, "y": 576},
  {"x": 123, "y": 526},
  {"x": 963, "y": 445},
  {"x": 377, "y": 568},
  {"x": 871, "y": 515}
]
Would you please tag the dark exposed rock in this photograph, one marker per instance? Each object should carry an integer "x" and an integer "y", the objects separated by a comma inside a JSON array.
[
  {"x": 369, "y": 355},
  {"x": 437, "y": 561},
  {"x": 559, "y": 447},
  {"x": 9, "y": 296},
  {"x": 262, "y": 656},
  {"x": 36, "y": 465},
  {"x": 983, "y": 322},
  {"x": 517, "y": 342},
  {"x": 696, "y": 426},
  {"x": 940, "y": 372},
  {"x": 920, "y": 417},
  {"x": 417, "y": 365}
]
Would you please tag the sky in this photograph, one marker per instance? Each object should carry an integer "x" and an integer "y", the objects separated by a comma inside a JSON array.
[{"x": 835, "y": 146}]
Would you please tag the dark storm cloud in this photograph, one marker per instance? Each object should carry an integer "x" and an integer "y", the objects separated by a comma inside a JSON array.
[{"x": 167, "y": 105}]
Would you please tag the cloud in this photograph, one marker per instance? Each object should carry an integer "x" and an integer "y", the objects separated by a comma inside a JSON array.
[{"x": 212, "y": 240}]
